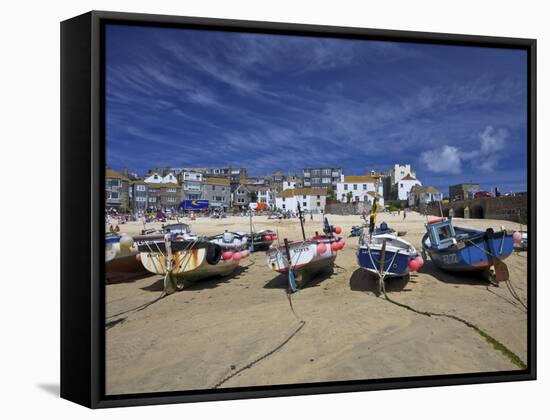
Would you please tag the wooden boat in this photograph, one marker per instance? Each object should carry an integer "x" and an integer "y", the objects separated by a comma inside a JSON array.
[
  {"x": 386, "y": 255},
  {"x": 521, "y": 243},
  {"x": 261, "y": 240},
  {"x": 459, "y": 249},
  {"x": 120, "y": 258},
  {"x": 304, "y": 259},
  {"x": 186, "y": 258}
]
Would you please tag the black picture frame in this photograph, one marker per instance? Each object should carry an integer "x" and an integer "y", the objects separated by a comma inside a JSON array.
[{"x": 82, "y": 209}]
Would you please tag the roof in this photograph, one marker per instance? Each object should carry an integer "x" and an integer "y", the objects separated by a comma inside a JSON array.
[
  {"x": 432, "y": 190},
  {"x": 139, "y": 181},
  {"x": 420, "y": 189},
  {"x": 212, "y": 180},
  {"x": 303, "y": 191},
  {"x": 169, "y": 184},
  {"x": 408, "y": 177},
  {"x": 109, "y": 173},
  {"x": 360, "y": 178}
]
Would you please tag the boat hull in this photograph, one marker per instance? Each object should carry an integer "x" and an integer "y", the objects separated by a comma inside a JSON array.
[
  {"x": 306, "y": 260},
  {"x": 396, "y": 264},
  {"x": 190, "y": 265},
  {"x": 471, "y": 255}
]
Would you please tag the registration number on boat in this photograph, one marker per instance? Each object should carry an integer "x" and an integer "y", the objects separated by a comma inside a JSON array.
[{"x": 450, "y": 258}]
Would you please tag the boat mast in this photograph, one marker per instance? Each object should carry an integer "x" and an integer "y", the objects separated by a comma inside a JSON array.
[
  {"x": 301, "y": 221},
  {"x": 251, "y": 234}
]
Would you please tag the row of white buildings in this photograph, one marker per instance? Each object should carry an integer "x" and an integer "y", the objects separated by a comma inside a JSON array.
[{"x": 167, "y": 190}]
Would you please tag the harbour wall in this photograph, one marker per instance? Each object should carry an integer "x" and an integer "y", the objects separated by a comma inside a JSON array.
[{"x": 503, "y": 208}]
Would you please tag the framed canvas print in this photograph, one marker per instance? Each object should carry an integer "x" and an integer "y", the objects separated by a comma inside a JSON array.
[{"x": 255, "y": 209}]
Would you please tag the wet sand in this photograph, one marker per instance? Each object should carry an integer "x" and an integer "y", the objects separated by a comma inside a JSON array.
[{"x": 197, "y": 338}]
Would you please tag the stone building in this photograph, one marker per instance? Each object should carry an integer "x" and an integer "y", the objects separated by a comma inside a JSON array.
[
  {"x": 217, "y": 191},
  {"x": 116, "y": 191}
]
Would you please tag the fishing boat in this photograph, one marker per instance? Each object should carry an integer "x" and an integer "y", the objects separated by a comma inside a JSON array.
[
  {"x": 304, "y": 259},
  {"x": 520, "y": 242},
  {"x": 387, "y": 255},
  {"x": 261, "y": 240},
  {"x": 184, "y": 258},
  {"x": 384, "y": 254},
  {"x": 380, "y": 230},
  {"x": 120, "y": 258},
  {"x": 459, "y": 249}
]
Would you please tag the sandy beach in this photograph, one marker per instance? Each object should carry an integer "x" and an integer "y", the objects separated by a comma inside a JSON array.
[{"x": 197, "y": 338}]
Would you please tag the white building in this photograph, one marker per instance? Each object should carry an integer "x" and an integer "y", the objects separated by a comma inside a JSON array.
[
  {"x": 191, "y": 182},
  {"x": 423, "y": 195},
  {"x": 398, "y": 172},
  {"x": 289, "y": 185},
  {"x": 155, "y": 178},
  {"x": 266, "y": 195},
  {"x": 362, "y": 188},
  {"x": 404, "y": 186},
  {"x": 310, "y": 199}
]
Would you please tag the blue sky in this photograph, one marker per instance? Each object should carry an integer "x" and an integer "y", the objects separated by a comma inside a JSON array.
[{"x": 190, "y": 98}]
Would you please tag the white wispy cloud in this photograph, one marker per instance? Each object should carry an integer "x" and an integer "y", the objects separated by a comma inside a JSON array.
[
  {"x": 443, "y": 160},
  {"x": 448, "y": 159}
]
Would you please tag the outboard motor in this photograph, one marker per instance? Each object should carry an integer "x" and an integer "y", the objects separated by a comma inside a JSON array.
[{"x": 328, "y": 229}]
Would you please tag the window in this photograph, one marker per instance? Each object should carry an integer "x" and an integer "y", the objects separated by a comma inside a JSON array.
[
  {"x": 318, "y": 197},
  {"x": 364, "y": 187},
  {"x": 284, "y": 199},
  {"x": 218, "y": 198},
  {"x": 355, "y": 187},
  {"x": 326, "y": 180},
  {"x": 284, "y": 206},
  {"x": 346, "y": 187},
  {"x": 304, "y": 197},
  {"x": 401, "y": 185},
  {"x": 305, "y": 203},
  {"x": 213, "y": 187},
  {"x": 318, "y": 204}
]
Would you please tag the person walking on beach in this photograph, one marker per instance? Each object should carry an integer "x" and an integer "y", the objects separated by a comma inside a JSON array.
[{"x": 404, "y": 214}]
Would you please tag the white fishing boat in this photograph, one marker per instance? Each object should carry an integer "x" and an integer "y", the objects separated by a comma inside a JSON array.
[
  {"x": 120, "y": 258},
  {"x": 186, "y": 258},
  {"x": 302, "y": 260}
]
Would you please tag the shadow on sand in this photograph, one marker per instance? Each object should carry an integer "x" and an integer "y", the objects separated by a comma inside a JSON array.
[
  {"x": 364, "y": 281},
  {"x": 281, "y": 281},
  {"x": 208, "y": 283},
  {"x": 472, "y": 278}
]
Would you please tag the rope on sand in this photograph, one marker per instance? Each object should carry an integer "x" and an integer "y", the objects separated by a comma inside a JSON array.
[
  {"x": 260, "y": 358},
  {"x": 497, "y": 345},
  {"x": 301, "y": 325}
]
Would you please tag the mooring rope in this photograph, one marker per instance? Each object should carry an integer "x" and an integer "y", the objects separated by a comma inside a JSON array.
[
  {"x": 515, "y": 359},
  {"x": 508, "y": 282},
  {"x": 301, "y": 324}
]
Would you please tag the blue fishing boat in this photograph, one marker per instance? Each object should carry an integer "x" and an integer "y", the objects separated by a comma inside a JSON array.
[
  {"x": 456, "y": 249},
  {"x": 386, "y": 255}
]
